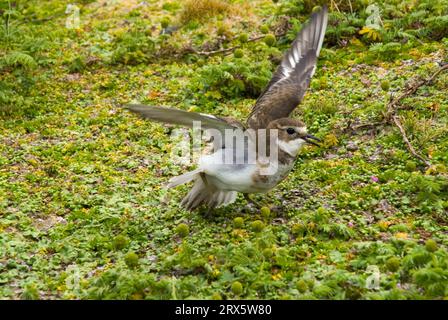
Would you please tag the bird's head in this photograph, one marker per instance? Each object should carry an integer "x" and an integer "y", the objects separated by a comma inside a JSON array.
[{"x": 292, "y": 134}]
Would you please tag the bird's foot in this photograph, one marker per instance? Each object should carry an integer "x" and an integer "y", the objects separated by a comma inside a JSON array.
[
  {"x": 207, "y": 212},
  {"x": 255, "y": 203}
]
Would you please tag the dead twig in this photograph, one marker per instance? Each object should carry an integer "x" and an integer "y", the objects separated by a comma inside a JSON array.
[
  {"x": 395, "y": 103},
  {"x": 411, "y": 149},
  {"x": 392, "y": 118},
  {"x": 334, "y": 5}
]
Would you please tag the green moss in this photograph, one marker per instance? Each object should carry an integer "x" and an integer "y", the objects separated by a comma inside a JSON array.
[
  {"x": 120, "y": 242},
  {"x": 265, "y": 212},
  {"x": 431, "y": 245},
  {"x": 238, "y": 222},
  {"x": 411, "y": 166},
  {"x": 268, "y": 253},
  {"x": 310, "y": 282},
  {"x": 264, "y": 29},
  {"x": 243, "y": 38},
  {"x": 165, "y": 22},
  {"x": 270, "y": 39},
  {"x": 182, "y": 230},
  {"x": 393, "y": 264},
  {"x": 237, "y": 288},
  {"x": 302, "y": 286},
  {"x": 239, "y": 53},
  {"x": 257, "y": 226},
  {"x": 202, "y": 10},
  {"x": 216, "y": 296},
  {"x": 298, "y": 229},
  {"x": 385, "y": 85},
  {"x": 131, "y": 259}
]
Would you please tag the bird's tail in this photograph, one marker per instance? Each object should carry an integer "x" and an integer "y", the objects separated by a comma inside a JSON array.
[
  {"x": 184, "y": 178},
  {"x": 202, "y": 193}
]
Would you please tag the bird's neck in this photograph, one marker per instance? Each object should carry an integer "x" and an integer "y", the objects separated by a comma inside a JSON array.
[
  {"x": 291, "y": 147},
  {"x": 285, "y": 151}
]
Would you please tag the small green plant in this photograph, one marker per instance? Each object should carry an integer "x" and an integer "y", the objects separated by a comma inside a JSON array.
[
  {"x": 120, "y": 242},
  {"x": 216, "y": 296},
  {"x": 270, "y": 39},
  {"x": 243, "y": 38},
  {"x": 264, "y": 29},
  {"x": 131, "y": 259},
  {"x": 78, "y": 64},
  {"x": 165, "y": 22},
  {"x": 341, "y": 28},
  {"x": 132, "y": 48},
  {"x": 239, "y": 53},
  {"x": 430, "y": 192},
  {"x": 182, "y": 230},
  {"x": 393, "y": 264},
  {"x": 386, "y": 51},
  {"x": 242, "y": 76},
  {"x": 433, "y": 280},
  {"x": 298, "y": 229},
  {"x": 16, "y": 59},
  {"x": 431, "y": 245},
  {"x": 238, "y": 222},
  {"x": 265, "y": 212},
  {"x": 268, "y": 253},
  {"x": 257, "y": 226},
  {"x": 30, "y": 292},
  {"x": 237, "y": 288},
  {"x": 385, "y": 85},
  {"x": 302, "y": 286}
]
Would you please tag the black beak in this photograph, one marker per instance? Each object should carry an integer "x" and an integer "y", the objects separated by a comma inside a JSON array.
[{"x": 309, "y": 138}]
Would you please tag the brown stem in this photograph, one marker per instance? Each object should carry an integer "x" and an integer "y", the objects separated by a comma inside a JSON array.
[
  {"x": 394, "y": 104},
  {"x": 391, "y": 115},
  {"x": 411, "y": 149}
]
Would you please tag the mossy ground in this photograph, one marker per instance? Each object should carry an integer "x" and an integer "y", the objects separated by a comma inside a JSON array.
[{"x": 83, "y": 212}]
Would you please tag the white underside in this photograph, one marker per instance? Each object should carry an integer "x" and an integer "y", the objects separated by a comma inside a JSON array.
[
  {"x": 239, "y": 177},
  {"x": 224, "y": 178}
]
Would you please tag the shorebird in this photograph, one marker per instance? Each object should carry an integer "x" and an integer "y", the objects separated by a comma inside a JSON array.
[{"x": 218, "y": 180}]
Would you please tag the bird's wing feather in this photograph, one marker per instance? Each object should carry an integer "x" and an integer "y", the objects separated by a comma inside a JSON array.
[
  {"x": 181, "y": 117},
  {"x": 292, "y": 77},
  {"x": 215, "y": 128}
]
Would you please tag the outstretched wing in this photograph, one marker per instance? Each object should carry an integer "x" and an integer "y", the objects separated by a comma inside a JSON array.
[
  {"x": 181, "y": 117},
  {"x": 207, "y": 123},
  {"x": 292, "y": 77}
]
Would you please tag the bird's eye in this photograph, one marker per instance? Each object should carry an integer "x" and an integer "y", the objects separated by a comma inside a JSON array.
[{"x": 290, "y": 130}]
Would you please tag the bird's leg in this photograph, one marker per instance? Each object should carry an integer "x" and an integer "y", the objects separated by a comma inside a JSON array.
[
  {"x": 209, "y": 213},
  {"x": 257, "y": 204},
  {"x": 206, "y": 212}
]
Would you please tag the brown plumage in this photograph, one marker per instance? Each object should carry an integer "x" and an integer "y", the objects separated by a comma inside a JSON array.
[{"x": 289, "y": 83}]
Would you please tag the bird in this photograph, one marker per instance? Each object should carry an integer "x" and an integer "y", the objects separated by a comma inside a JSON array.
[{"x": 225, "y": 170}]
